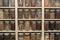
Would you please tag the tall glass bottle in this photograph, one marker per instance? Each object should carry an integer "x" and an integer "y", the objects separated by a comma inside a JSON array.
[{"x": 7, "y": 25}]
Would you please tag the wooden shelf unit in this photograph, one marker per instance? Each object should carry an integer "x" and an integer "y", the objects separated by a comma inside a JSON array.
[{"x": 16, "y": 19}]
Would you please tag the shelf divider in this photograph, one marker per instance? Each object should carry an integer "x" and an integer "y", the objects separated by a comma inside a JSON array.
[
  {"x": 42, "y": 19},
  {"x": 16, "y": 21}
]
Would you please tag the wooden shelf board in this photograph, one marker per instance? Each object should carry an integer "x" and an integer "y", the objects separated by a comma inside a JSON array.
[
  {"x": 7, "y": 31},
  {"x": 29, "y": 31},
  {"x": 29, "y": 19},
  {"x": 52, "y": 31},
  {"x": 7, "y": 19},
  {"x": 51, "y": 7},
  {"x": 51, "y": 19},
  {"x": 7, "y": 7},
  {"x": 29, "y": 7}
]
